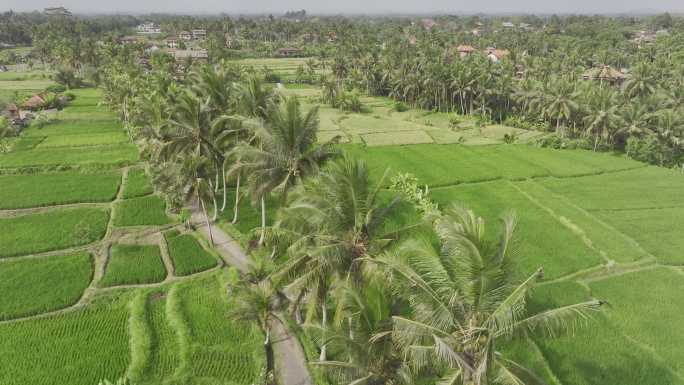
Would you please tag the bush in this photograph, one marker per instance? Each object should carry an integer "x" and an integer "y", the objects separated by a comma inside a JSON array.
[
  {"x": 525, "y": 123},
  {"x": 510, "y": 138},
  {"x": 56, "y": 88},
  {"x": 558, "y": 142},
  {"x": 69, "y": 96},
  {"x": 454, "y": 121},
  {"x": 400, "y": 107},
  {"x": 650, "y": 150},
  {"x": 350, "y": 101}
]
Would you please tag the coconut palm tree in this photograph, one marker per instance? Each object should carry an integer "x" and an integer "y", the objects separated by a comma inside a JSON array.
[
  {"x": 603, "y": 114},
  {"x": 361, "y": 335},
  {"x": 560, "y": 103},
  {"x": 331, "y": 224},
  {"x": 465, "y": 301},
  {"x": 283, "y": 152}
]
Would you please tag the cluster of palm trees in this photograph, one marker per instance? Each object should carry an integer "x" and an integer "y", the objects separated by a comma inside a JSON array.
[
  {"x": 543, "y": 92},
  {"x": 383, "y": 305}
]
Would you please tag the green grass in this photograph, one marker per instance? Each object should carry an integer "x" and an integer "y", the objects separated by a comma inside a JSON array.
[
  {"x": 647, "y": 187},
  {"x": 636, "y": 341},
  {"x": 118, "y": 154},
  {"x": 187, "y": 254},
  {"x": 249, "y": 217},
  {"x": 137, "y": 184},
  {"x": 34, "y": 286},
  {"x": 84, "y": 140},
  {"x": 32, "y": 84},
  {"x": 52, "y": 230},
  {"x": 396, "y": 138},
  {"x": 440, "y": 165},
  {"x": 164, "y": 356},
  {"x": 543, "y": 240},
  {"x": 145, "y": 211},
  {"x": 76, "y": 348},
  {"x": 219, "y": 349},
  {"x": 133, "y": 264},
  {"x": 67, "y": 128},
  {"x": 659, "y": 231},
  {"x": 33, "y": 190}
]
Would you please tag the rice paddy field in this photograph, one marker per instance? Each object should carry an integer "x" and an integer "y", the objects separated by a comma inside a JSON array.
[
  {"x": 600, "y": 225},
  {"x": 78, "y": 304}
]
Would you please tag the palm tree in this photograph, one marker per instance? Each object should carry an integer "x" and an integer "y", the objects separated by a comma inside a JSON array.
[
  {"x": 641, "y": 82},
  {"x": 603, "y": 114},
  {"x": 362, "y": 336},
  {"x": 560, "y": 103},
  {"x": 284, "y": 151},
  {"x": 258, "y": 302},
  {"x": 465, "y": 301},
  {"x": 331, "y": 224}
]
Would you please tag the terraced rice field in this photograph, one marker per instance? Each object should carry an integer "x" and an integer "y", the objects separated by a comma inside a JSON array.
[
  {"x": 146, "y": 260},
  {"x": 28, "y": 190},
  {"x": 600, "y": 225},
  {"x": 64, "y": 316},
  {"x": 38, "y": 286},
  {"x": 187, "y": 255},
  {"x": 144, "y": 211}
]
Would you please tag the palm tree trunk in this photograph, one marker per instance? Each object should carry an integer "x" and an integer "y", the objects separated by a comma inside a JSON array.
[
  {"x": 216, "y": 209},
  {"x": 236, "y": 208},
  {"x": 206, "y": 218},
  {"x": 263, "y": 221},
  {"x": 324, "y": 321},
  {"x": 223, "y": 174}
]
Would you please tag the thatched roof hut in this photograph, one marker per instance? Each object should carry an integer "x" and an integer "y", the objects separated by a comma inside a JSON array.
[
  {"x": 604, "y": 73},
  {"x": 35, "y": 102}
]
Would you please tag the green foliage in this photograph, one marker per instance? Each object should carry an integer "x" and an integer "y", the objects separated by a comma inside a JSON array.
[
  {"x": 52, "y": 230},
  {"x": 34, "y": 286},
  {"x": 133, "y": 264},
  {"x": 67, "y": 77},
  {"x": 79, "y": 348},
  {"x": 120, "y": 154},
  {"x": 144, "y": 211},
  {"x": 34, "y": 190},
  {"x": 400, "y": 107},
  {"x": 187, "y": 254},
  {"x": 407, "y": 184},
  {"x": 137, "y": 184}
]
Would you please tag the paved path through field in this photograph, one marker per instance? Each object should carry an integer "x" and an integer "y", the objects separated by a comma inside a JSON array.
[{"x": 290, "y": 361}]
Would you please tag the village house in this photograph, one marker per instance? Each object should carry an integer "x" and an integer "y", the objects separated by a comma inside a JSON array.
[
  {"x": 496, "y": 55},
  {"x": 332, "y": 37},
  {"x": 199, "y": 34},
  {"x": 428, "y": 24},
  {"x": 148, "y": 28},
  {"x": 185, "y": 35},
  {"x": 507, "y": 25},
  {"x": 465, "y": 50},
  {"x": 35, "y": 102},
  {"x": 171, "y": 42},
  {"x": 56, "y": 11},
  {"x": 195, "y": 54},
  {"x": 604, "y": 73},
  {"x": 129, "y": 40},
  {"x": 288, "y": 52}
]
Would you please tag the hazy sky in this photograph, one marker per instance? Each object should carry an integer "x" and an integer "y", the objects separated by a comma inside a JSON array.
[{"x": 351, "y": 6}]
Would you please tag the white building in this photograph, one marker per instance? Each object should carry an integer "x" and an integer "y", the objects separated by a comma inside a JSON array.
[{"x": 148, "y": 27}]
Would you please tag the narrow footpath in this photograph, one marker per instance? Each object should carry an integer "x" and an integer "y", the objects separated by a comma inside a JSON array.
[{"x": 290, "y": 361}]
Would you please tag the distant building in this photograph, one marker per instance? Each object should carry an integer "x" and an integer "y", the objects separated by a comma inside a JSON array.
[
  {"x": 171, "y": 42},
  {"x": 508, "y": 24},
  {"x": 525, "y": 26},
  {"x": 129, "y": 40},
  {"x": 185, "y": 35},
  {"x": 57, "y": 11},
  {"x": 33, "y": 103},
  {"x": 428, "y": 23},
  {"x": 182, "y": 54},
  {"x": 332, "y": 37},
  {"x": 148, "y": 28},
  {"x": 476, "y": 32},
  {"x": 496, "y": 55},
  {"x": 288, "y": 52},
  {"x": 465, "y": 50},
  {"x": 604, "y": 73},
  {"x": 199, "y": 34}
]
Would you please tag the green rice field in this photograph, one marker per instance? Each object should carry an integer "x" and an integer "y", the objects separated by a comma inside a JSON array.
[
  {"x": 187, "y": 255},
  {"x": 28, "y": 190},
  {"x": 134, "y": 264},
  {"x": 144, "y": 211},
  {"x": 52, "y": 230},
  {"x": 38, "y": 286},
  {"x": 137, "y": 184}
]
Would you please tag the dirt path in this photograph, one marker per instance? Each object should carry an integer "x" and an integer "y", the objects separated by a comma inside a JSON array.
[{"x": 290, "y": 361}]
